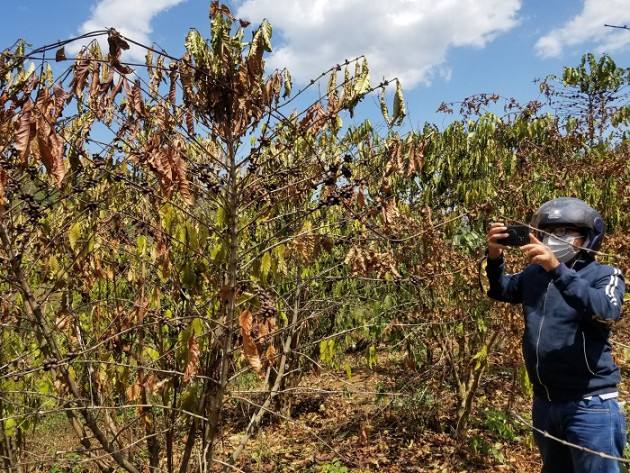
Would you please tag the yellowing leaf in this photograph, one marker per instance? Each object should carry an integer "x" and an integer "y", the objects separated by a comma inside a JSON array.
[
  {"x": 142, "y": 245},
  {"x": 151, "y": 353},
  {"x": 265, "y": 265},
  {"x": 266, "y": 31},
  {"x": 74, "y": 234},
  {"x": 288, "y": 84},
  {"x": 399, "y": 106},
  {"x": 480, "y": 357},
  {"x": 9, "y": 425}
]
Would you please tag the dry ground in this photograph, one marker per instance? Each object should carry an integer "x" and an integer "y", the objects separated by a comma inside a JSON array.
[{"x": 340, "y": 425}]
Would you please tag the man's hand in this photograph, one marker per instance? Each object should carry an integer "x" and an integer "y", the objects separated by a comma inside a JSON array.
[
  {"x": 539, "y": 253},
  {"x": 497, "y": 231},
  {"x": 535, "y": 251}
]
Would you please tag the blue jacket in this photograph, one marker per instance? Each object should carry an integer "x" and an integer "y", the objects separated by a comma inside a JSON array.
[{"x": 568, "y": 314}]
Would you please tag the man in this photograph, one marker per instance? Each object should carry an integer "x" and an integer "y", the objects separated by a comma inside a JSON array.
[{"x": 569, "y": 302}]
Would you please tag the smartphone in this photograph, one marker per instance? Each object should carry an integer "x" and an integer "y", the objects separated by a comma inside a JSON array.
[{"x": 518, "y": 235}]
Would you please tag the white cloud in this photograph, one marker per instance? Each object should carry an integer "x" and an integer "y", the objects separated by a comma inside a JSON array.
[
  {"x": 131, "y": 18},
  {"x": 588, "y": 27},
  {"x": 408, "y": 39}
]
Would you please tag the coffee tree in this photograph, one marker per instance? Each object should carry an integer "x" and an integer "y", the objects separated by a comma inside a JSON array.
[{"x": 165, "y": 238}]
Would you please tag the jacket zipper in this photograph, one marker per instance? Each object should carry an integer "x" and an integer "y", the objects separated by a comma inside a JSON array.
[
  {"x": 588, "y": 366},
  {"x": 542, "y": 319}
]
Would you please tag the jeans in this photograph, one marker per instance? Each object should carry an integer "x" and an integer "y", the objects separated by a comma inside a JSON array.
[{"x": 595, "y": 424}]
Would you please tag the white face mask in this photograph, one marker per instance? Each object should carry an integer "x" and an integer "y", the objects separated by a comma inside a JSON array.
[{"x": 561, "y": 246}]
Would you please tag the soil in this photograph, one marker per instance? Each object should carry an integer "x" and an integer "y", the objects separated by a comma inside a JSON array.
[
  {"x": 375, "y": 420},
  {"x": 331, "y": 430}
]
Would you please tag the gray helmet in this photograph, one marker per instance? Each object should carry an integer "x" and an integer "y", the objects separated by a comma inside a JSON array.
[{"x": 569, "y": 211}]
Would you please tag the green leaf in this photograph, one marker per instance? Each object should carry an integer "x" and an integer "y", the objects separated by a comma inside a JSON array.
[
  {"x": 141, "y": 248},
  {"x": 74, "y": 234},
  {"x": 189, "y": 398},
  {"x": 218, "y": 253},
  {"x": 371, "y": 357},
  {"x": 265, "y": 265},
  {"x": 220, "y": 218},
  {"x": 53, "y": 264},
  {"x": 526, "y": 385},
  {"x": 480, "y": 357},
  {"x": 191, "y": 238},
  {"x": 327, "y": 352},
  {"x": 188, "y": 276},
  {"x": 151, "y": 353},
  {"x": 196, "y": 327},
  {"x": 203, "y": 235},
  {"x": 9, "y": 425}
]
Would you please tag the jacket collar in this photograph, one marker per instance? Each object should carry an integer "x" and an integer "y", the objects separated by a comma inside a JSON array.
[{"x": 581, "y": 260}]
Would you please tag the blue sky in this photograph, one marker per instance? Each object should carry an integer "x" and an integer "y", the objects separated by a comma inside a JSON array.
[{"x": 442, "y": 50}]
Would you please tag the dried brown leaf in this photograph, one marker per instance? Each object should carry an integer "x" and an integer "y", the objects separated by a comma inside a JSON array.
[
  {"x": 133, "y": 392},
  {"x": 123, "y": 69},
  {"x": 81, "y": 72},
  {"x": 4, "y": 178},
  {"x": 245, "y": 321},
  {"x": 137, "y": 100},
  {"x": 398, "y": 156},
  {"x": 119, "y": 85},
  {"x": 224, "y": 293},
  {"x": 172, "y": 92},
  {"x": 226, "y": 11},
  {"x": 262, "y": 330},
  {"x": 107, "y": 83},
  {"x": 419, "y": 157},
  {"x": 190, "y": 122},
  {"x": 390, "y": 212},
  {"x": 192, "y": 359},
  {"x": 214, "y": 8},
  {"x": 249, "y": 347},
  {"x": 270, "y": 356},
  {"x": 62, "y": 319},
  {"x": 186, "y": 76},
  {"x": 180, "y": 169},
  {"x": 411, "y": 167},
  {"x": 24, "y": 131},
  {"x": 96, "y": 80},
  {"x": 116, "y": 43},
  {"x": 51, "y": 147},
  {"x": 59, "y": 102},
  {"x": 361, "y": 197},
  {"x": 60, "y": 55}
]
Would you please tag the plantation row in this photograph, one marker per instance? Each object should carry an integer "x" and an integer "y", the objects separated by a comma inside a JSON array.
[{"x": 182, "y": 243}]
